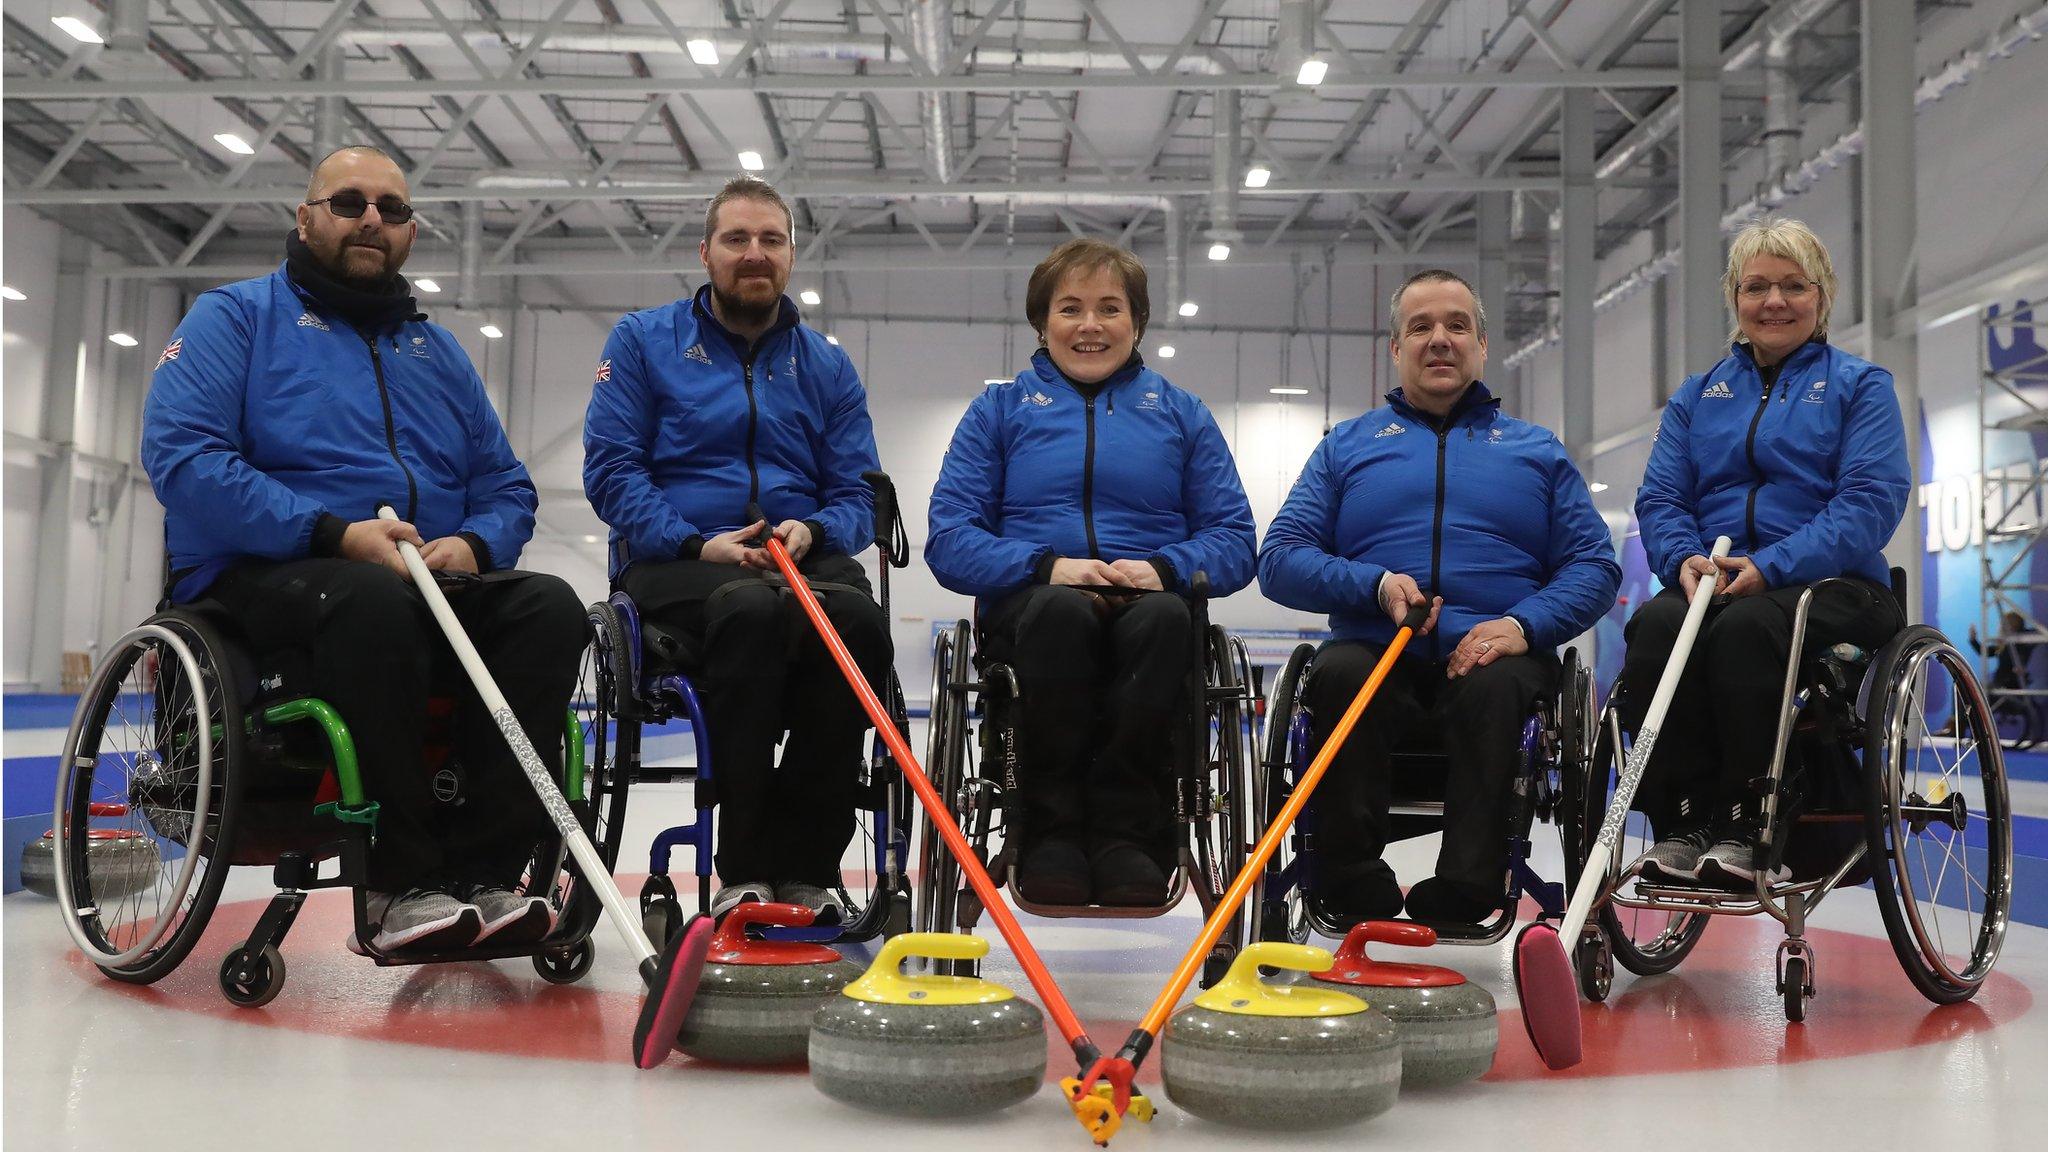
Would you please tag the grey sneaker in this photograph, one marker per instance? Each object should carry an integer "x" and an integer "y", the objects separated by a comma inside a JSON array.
[
  {"x": 512, "y": 917},
  {"x": 1674, "y": 859},
  {"x": 1732, "y": 864},
  {"x": 422, "y": 919},
  {"x": 732, "y": 895},
  {"x": 827, "y": 905}
]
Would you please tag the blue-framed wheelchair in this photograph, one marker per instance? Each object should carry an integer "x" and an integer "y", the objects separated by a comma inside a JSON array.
[
  {"x": 637, "y": 674},
  {"x": 972, "y": 759},
  {"x": 1887, "y": 771},
  {"x": 1556, "y": 743},
  {"x": 195, "y": 754}
]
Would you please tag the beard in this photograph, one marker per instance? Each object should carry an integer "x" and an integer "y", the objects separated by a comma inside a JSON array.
[
  {"x": 339, "y": 264},
  {"x": 743, "y": 310}
]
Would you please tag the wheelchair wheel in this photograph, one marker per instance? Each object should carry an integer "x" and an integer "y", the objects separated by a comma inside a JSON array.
[
  {"x": 1644, "y": 941},
  {"x": 1938, "y": 819},
  {"x": 1220, "y": 844},
  {"x": 1279, "y": 914},
  {"x": 154, "y": 752},
  {"x": 938, "y": 902},
  {"x": 594, "y": 706}
]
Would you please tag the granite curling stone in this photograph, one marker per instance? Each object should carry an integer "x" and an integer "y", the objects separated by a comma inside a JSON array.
[
  {"x": 1280, "y": 1057},
  {"x": 928, "y": 1045},
  {"x": 756, "y": 997},
  {"x": 1447, "y": 1025},
  {"x": 119, "y": 863}
]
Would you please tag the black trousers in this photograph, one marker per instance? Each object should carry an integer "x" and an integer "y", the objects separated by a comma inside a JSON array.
[
  {"x": 1481, "y": 715},
  {"x": 1102, "y": 678},
  {"x": 375, "y": 654},
  {"x": 1723, "y": 723},
  {"x": 765, "y": 672}
]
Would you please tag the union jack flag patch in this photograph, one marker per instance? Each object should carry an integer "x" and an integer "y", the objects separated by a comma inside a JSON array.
[
  {"x": 171, "y": 351},
  {"x": 604, "y": 371}
]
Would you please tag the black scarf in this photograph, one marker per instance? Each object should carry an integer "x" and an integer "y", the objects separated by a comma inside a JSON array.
[{"x": 367, "y": 308}]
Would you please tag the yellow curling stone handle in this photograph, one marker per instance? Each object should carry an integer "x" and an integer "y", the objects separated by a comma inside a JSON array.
[
  {"x": 1243, "y": 993},
  {"x": 887, "y": 983}
]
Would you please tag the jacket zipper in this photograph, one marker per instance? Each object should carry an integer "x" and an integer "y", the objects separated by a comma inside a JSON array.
[
  {"x": 412, "y": 488},
  {"x": 1088, "y": 485},
  {"x": 1749, "y": 449},
  {"x": 753, "y": 422},
  {"x": 1436, "y": 532}
]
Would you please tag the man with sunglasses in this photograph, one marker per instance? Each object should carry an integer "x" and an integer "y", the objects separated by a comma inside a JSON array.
[{"x": 283, "y": 412}]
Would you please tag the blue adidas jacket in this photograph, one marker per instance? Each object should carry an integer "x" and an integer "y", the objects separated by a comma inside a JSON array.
[
  {"x": 266, "y": 410},
  {"x": 1488, "y": 513},
  {"x": 688, "y": 425},
  {"x": 1810, "y": 481},
  {"x": 1036, "y": 472}
]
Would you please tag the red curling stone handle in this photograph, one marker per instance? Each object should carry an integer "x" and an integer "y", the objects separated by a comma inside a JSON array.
[{"x": 1352, "y": 965}]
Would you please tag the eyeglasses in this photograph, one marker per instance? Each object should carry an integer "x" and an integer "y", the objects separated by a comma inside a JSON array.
[
  {"x": 350, "y": 205},
  {"x": 1793, "y": 291}
]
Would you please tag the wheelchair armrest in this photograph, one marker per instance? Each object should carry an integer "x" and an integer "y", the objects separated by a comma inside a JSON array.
[{"x": 1198, "y": 586}]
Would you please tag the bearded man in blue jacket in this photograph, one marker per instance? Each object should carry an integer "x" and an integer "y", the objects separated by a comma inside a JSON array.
[
  {"x": 284, "y": 410},
  {"x": 1436, "y": 499},
  {"x": 705, "y": 409}
]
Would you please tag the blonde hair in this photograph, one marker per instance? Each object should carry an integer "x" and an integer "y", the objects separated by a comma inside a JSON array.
[{"x": 1791, "y": 240}]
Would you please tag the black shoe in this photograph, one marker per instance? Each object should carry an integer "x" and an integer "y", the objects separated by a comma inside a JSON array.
[
  {"x": 1365, "y": 892},
  {"x": 1127, "y": 876},
  {"x": 1054, "y": 871},
  {"x": 1442, "y": 900}
]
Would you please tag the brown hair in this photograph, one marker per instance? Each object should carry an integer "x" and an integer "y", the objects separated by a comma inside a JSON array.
[
  {"x": 746, "y": 188},
  {"x": 1083, "y": 254},
  {"x": 1437, "y": 276}
]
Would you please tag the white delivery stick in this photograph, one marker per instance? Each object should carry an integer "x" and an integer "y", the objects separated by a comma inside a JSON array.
[
  {"x": 594, "y": 872},
  {"x": 1593, "y": 880}
]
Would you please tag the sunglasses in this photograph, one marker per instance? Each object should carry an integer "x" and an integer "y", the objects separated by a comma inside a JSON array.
[{"x": 351, "y": 206}]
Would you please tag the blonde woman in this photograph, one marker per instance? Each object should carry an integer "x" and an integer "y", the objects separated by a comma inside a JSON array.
[{"x": 1795, "y": 450}]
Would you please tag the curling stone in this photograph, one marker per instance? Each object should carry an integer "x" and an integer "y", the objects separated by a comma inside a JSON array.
[
  {"x": 1448, "y": 1029},
  {"x": 756, "y": 997},
  {"x": 927, "y": 1045},
  {"x": 120, "y": 863},
  {"x": 1276, "y": 1056}
]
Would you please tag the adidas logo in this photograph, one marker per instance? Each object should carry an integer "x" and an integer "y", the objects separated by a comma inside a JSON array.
[
  {"x": 696, "y": 352},
  {"x": 308, "y": 320},
  {"x": 1389, "y": 430},
  {"x": 1719, "y": 390}
]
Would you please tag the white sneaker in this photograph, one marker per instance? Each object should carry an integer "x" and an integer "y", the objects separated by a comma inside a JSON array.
[
  {"x": 1674, "y": 859},
  {"x": 512, "y": 917},
  {"x": 824, "y": 903},
  {"x": 421, "y": 919},
  {"x": 732, "y": 895},
  {"x": 1732, "y": 864}
]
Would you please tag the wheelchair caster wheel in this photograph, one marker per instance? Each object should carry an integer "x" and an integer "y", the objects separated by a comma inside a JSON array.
[
  {"x": 898, "y": 921},
  {"x": 568, "y": 966},
  {"x": 661, "y": 919},
  {"x": 1595, "y": 966},
  {"x": 1215, "y": 967},
  {"x": 657, "y": 889},
  {"x": 252, "y": 980},
  {"x": 1793, "y": 985}
]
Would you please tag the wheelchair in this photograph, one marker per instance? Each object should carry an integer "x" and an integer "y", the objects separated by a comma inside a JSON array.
[
  {"x": 1865, "y": 785},
  {"x": 972, "y": 760},
  {"x": 637, "y": 674},
  {"x": 1555, "y": 744},
  {"x": 188, "y": 745}
]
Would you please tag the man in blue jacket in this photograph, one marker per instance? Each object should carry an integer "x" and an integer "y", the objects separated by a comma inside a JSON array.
[
  {"x": 286, "y": 409},
  {"x": 1436, "y": 499},
  {"x": 704, "y": 409}
]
